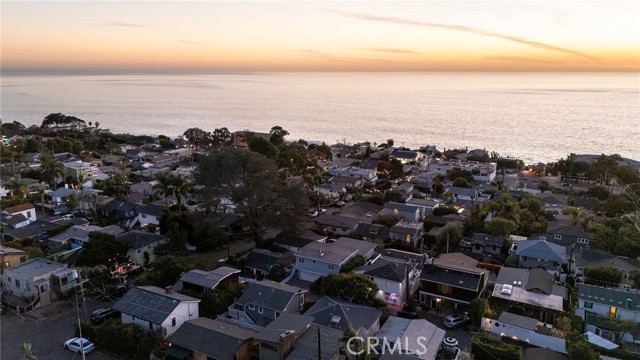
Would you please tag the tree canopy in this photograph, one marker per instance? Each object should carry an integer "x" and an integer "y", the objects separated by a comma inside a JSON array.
[
  {"x": 102, "y": 249},
  {"x": 59, "y": 120},
  {"x": 255, "y": 186},
  {"x": 352, "y": 287}
]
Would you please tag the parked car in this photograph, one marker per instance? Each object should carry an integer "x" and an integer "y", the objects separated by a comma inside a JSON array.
[
  {"x": 100, "y": 315},
  {"x": 340, "y": 204},
  {"x": 313, "y": 214},
  {"x": 454, "y": 321},
  {"x": 78, "y": 344}
]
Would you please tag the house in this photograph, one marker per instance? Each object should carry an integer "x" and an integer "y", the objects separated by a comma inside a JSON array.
[
  {"x": 154, "y": 308},
  {"x": 540, "y": 253},
  {"x": 295, "y": 337},
  {"x": 418, "y": 337},
  {"x": 204, "y": 338},
  {"x": 38, "y": 227},
  {"x": 602, "y": 308},
  {"x": 11, "y": 257},
  {"x": 263, "y": 301},
  {"x": 123, "y": 212},
  {"x": 372, "y": 232},
  {"x": 364, "y": 248},
  {"x": 141, "y": 245},
  {"x": 149, "y": 214},
  {"x": 341, "y": 315},
  {"x": 528, "y": 330},
  {"x": 451, "y": 280},
  {"x": 336, "y": 225},
  {"x": 295, "y": 242},
  {"x": 395, "y": 278},
  {"x": 405, "y": 188},
  {"x": 260, "y": 262},
  {"x": 483, "y": 247},
  {"x": 533, "y": 293},
  {"x": 406, "y": 156},
  {"x": 37, "y": 281},
  {"x": 588, "y": 258},
  {"x": 145, "y": 188},
  {"x": 347, "y": 182},
  {"x": 364, "y": 212},
  {"x": 19, "y": 216},
  {"x": 203, "y": 281},
  {"x": 331, "y": 191},
  {"x": 460, "y": 194},
  {"x": 77, "y": 169},
  {"x": 409, "y": 233},
  {"x": 79, "y": 234},
  {"x": 407, "y": 212},
  {"x": 426, "y": 205},
  {"x": 319, "y": 259},
  {"x": 370, "y": 175},
  {"x": 570, "y": 235},
  {"x": 60, "y": 194}
]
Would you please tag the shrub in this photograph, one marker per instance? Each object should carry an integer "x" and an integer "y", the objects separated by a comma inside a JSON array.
[{"x": 487, "y": 349}]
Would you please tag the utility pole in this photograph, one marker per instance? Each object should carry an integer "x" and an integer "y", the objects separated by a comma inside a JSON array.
[
  {"x": 447, "y": 243},
  {"x": 79, "y": 324},
  {"x": 319, "y": 345}
]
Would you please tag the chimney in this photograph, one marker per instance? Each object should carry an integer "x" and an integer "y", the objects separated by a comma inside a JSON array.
[{"x": 169, "y": 290}]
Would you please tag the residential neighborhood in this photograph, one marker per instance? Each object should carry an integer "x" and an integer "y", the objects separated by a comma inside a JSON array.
[{"x": 220, "y": 245}]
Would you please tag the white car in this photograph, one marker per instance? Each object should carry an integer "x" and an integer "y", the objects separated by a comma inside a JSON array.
[{"x": 77, "y": 344}]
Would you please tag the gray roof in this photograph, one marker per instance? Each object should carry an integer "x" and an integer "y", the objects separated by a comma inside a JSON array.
[
  {"x": 571, "y": 230},
  {"x": 213, "y": 338},
  {"x": 363, "y": 247},
  {"x": 208, "y": 279},
  {"x": 286, "y": 321},
  {"x": 139, "y": 239},
  {"x": 400, "y": 206},
  {"x": 518, "y": 320},
  {"x": 264, "y": 259},
  {"x": 384, "y": 269},
  {"x": 62, "y": 192},
  {"x": 34, "y": 228},
  {"x": 150, "y": 303},
  {"x": 361, "y": 210},
  {"x": 34, "y": 268},
  {"x": 405, "y": 227},
  {"x": 376, "y": 231},
  {"x": 423, "y": 202},
  {"x": 487, "y": 240},
  {"x": 270, "y": 294},
  {"x": 612, "y": 297},
  {"x": 588, "y": 258},
  {"x": 307, "y": 346},
  {"x": 339, "y": 314},
  {"x": 391, "y": 254},
  {"x": 298, "y": 240},
  {"x": 453, "y": 278},
  {"x": 462, "y": 191},
  {"x": 330, "y": 253},
  {"x": 531, "y": 280},
  {"x": 13, "y": 219},
  {"x": 151, "y": 209},
  {"x": 542, "y": 249},
  {"x": 540, "y": 280},
  {"x": 404, "y": 154},
  {"x": 409, "y": 331},
  {"x": 337, "y": 221},
  {"x": 535, "y": 353}
]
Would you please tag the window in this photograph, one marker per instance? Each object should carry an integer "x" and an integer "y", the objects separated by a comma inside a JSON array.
[
  {"x": 277, "y": 313},
  {"x": 173, "y": 322},
  {"x": 28, "y": 214},
  {"x": 588, "y": 305},
  {"x": 151, "y": 326},
  {"x": 27, "y": 286},
  {"x": 268, "y": 347},
  {"x": 557, "y": 236},
  {"x": 9, "y": 278},
  {"x": 300, "y": 260},
  {"x": 260, "y": 310},
  {"x": 139, "y": 251},
  {"x": 612, "y": 311},
  {"x": 143, "y": 216},
  {"x": 17, "y": 283},
  {"x": 252, "y": 307}
]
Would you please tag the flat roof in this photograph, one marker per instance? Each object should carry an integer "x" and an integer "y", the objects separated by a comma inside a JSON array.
[{"x": 518, "y": 294}]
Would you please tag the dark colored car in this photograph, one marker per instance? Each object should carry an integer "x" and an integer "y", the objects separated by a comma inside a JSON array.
[{"x": 100, "y": 315}]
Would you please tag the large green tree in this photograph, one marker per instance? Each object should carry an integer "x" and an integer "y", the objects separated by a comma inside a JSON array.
[
  {"x": 255, "y": 186},
  {"x": 102, "y": 249},
  {"x": 50, "y": 168},
  {"x": 197, "y": 137},
  {"x": 277, "y": 135},
  {"x": 352, "y": 287}
]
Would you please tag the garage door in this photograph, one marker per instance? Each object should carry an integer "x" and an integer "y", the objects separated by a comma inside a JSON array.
[{"x": 307, "y": 276}]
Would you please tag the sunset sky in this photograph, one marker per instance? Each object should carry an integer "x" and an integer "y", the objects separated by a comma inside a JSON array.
[{"x": 321, "y": 36}]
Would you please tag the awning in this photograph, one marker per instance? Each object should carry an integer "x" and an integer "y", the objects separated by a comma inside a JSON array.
[
  {"x": 600, "y": 341},
  {"x": 176, "y": 352}
]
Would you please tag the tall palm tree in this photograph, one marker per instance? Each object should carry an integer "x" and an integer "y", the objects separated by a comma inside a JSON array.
[
  {"x": 164, "y": 186},
  {"x": 181, "y": 186},
  {"x": 50, "y": 168},
  {"x": 42, "y": 190},
  {"x": 18, "y": 188}
]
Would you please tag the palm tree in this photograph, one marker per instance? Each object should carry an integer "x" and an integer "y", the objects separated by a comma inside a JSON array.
[
  {"x": 164, "y": 186},
  {"x": 26, "y": 351},
  {"x": 181, "y": 186},
  {"x": 50, "y": 168},
  {"x": 18, "y": 188},
  {"x": 42, "y": 190}
]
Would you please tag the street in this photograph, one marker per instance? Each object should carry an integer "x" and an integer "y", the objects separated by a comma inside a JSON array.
[
  {"x": 460, "y": 334},
  {"x": 46, "y": 330}
]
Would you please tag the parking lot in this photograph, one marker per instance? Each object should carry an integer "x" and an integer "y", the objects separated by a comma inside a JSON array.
[{"x": 46, "y": 329}]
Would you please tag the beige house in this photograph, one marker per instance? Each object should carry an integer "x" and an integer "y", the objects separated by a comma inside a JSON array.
[{"x": 11, "y": 257}]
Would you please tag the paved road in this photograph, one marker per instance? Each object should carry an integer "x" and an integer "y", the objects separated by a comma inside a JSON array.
[{"x": 47, "y": 334}]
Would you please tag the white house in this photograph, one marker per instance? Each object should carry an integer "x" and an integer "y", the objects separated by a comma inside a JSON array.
[
  {"x": 394, "y": 277},
  {"x": 77, "y": 168},
  {"x": 331, "y": 191},
  {"x": 150, "y": 214},
  {"x": 355, "y": 172},
  {"x": 154, "y": 308},
  {"x": 319, "y": 259},
  {"x": 19, "y": 216}
]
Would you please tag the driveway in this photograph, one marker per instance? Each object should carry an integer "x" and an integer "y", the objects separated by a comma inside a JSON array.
[
  {"x": 463, "y": 336},
  {"x": 237, "y": 247},
  {"x": 46, "y": 329}
]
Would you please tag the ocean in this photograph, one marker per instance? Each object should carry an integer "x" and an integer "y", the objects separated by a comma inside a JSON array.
[{"x": 531, "y": 116}]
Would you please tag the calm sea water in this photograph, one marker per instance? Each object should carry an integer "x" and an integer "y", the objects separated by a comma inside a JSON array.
[{"x": 533, "y": 116}]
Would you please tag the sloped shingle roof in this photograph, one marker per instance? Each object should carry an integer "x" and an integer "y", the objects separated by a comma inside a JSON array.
[{"x": 150, "y": 303}]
